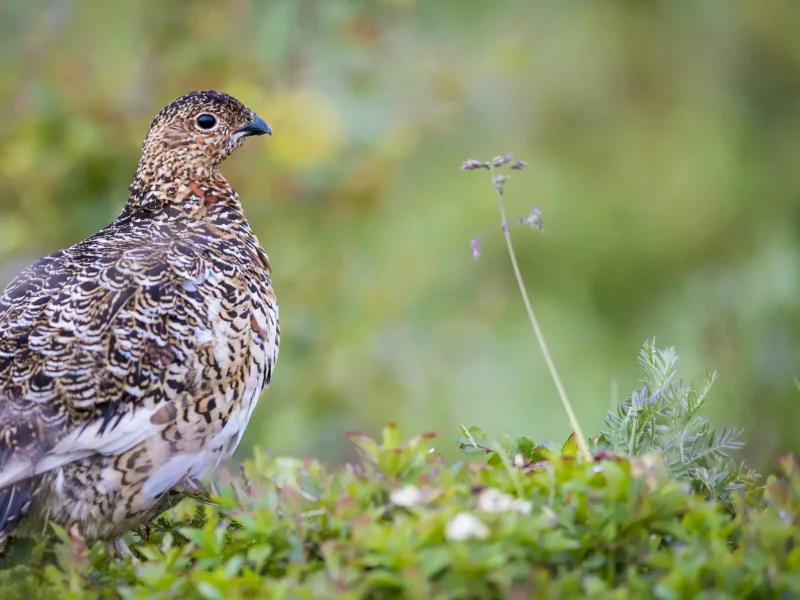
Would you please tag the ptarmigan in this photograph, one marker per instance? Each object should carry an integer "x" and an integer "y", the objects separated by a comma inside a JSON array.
[{"x": 131, "y": 362}]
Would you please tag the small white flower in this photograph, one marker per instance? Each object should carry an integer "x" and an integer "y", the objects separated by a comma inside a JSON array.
[
  {"x": 519, "y": 461},
  {"x": 494, "y": 501},
  {"x": 465, "y": 526},
  {"x": 522, "y": 506},
  {"x": 408, "y": 495}
]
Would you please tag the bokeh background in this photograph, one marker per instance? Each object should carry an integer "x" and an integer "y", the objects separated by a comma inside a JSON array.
[{"x": 663, "y": 140}]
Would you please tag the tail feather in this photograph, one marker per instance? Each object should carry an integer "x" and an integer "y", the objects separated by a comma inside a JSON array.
[{"x": 15, "y": 500}]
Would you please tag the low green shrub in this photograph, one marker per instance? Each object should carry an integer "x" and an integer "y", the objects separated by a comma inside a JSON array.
[{"x": 661, "y": 511}]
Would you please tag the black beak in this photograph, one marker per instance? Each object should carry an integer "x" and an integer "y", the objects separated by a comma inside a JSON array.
[{"x": 257, "y": 127}]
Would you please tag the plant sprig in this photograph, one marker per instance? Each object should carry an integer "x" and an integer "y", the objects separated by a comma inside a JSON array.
[{"x": 498, "y": 182}]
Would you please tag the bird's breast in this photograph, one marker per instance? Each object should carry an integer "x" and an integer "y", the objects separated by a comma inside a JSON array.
[{"x": 238, "y": 337}]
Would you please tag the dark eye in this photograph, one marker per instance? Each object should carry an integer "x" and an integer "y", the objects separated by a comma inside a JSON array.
[{"x": 206, "y": 121}]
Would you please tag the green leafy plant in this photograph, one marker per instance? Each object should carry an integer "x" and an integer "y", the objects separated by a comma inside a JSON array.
[
  {"x": 516, "y": 518},
  {"x": 403, "y": 524}
]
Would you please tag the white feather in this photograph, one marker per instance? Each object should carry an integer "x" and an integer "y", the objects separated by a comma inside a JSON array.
[
  {"x": 14, "y": 471},
  {"x": 232, "y": 427},
  {"x": 59, "y": 481},
  {"x": 132, "y": 429},
  {"x": 172, "y": 472}
]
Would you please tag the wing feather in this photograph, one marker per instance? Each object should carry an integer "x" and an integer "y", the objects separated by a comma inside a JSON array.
[{"x": 88, "y": 349}]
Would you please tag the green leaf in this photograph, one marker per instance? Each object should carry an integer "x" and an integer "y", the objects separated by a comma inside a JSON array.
[
  {"x": 523, "y": 445},
  {"x": 495, "y": 460},
  {"x": 599, "y": 443},
  {"x": 473, "y": 440},
  {"x": 209, "y": 591},
  {"x": 570, "y": 447},
  {"x": 391, "y": 437},
  {"x": 543, "y": 452},
  {"x": 367, "y": 445}
]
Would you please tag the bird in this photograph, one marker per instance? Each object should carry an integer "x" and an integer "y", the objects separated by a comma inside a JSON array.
[{"x": 132, "y": 361}]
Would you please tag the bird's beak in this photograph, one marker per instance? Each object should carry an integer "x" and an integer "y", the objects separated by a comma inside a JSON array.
[{"x": 257, "y": 127}]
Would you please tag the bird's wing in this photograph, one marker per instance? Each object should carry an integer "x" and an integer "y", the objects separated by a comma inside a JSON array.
[{"x": 93, "y": 341}]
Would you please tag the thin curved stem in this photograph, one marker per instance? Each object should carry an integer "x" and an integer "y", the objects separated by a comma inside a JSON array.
[{"x": 573, "y": 420}]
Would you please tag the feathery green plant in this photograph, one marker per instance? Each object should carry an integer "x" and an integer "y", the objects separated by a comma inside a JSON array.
[{"x": 664, "y": 415}]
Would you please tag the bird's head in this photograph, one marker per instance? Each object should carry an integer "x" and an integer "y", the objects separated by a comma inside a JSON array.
[{"x": 198, "y": 131}]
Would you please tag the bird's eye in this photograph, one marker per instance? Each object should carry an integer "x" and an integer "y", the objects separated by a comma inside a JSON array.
[{"x": 206, "y": 121}]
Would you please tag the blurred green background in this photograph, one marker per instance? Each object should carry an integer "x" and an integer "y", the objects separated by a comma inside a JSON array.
[{"x": 663, "y": 140}]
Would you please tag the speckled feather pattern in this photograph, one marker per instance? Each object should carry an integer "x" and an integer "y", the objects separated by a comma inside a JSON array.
[{"x": 132, "y": 361}]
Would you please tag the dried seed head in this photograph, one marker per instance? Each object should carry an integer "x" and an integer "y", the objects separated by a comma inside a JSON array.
[
  {"x": 534, "y": 219},
  {"x": 498, "y": 161},
  {"x": 475, "y": 247},
  {"x": 498, "y": 182},
  {"x": 471, "y": 164}
]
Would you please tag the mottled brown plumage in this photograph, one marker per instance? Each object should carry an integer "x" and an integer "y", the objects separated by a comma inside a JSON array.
[{"x": 131, "y": 362}]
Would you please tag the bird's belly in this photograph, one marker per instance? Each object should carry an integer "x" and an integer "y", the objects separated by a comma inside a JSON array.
[{"x": 91, "y": 494}]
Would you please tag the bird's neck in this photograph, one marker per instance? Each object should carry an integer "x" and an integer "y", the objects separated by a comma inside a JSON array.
[{"x": 185, "y": 192}]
